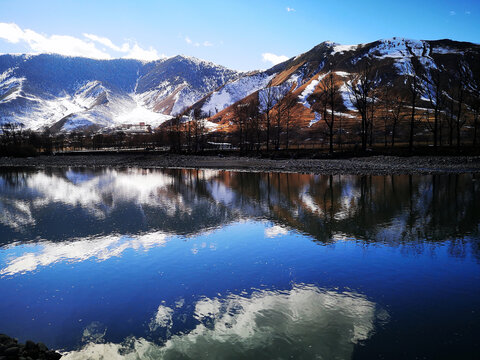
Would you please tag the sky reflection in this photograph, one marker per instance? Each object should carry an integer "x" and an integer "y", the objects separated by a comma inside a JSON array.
[
  {"x": 176, "y": 263},
  {"x": 304, "y": 322}
]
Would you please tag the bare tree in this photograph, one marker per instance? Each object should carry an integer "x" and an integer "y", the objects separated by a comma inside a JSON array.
[
  {"x": 414, "y": 88},
  {"x": 371, "y": 108},
  {"x": 475, "y": 107},
  {"x": 267, "y": 101},
  {"x": 174, "y": 133},
  {"x": 435, "y": 88},
  {"x": 449, "y": 114},
  {"x": 241, "y": 115},
  {"x": 287, "y": 104},
  {"x": 397, "y": 106},
  {"x": 387, "y": 108},
  {"x": 278, "y": 93},
  {"x": 462, "y": 84},
  {"x": 328, "y": 97},
  {"x": 197, "y": 124},
  {"x": 362, "y": 86}
]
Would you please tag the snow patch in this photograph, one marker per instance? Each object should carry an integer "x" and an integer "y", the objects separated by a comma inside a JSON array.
[
  {"x": 309, "y": 89},
  {"x": 235, "y": 91},
  {"x": 316, "y": 119},
  {"x": 346, "y": 96},
  {"x": 340, "y": 49}
]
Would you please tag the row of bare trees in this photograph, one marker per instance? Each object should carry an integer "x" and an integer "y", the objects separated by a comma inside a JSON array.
[
  {"x": 389, "y": 111},
  {"x": 452, "y": 99},
  {"x": 425, "y": 105},
  {"x": 431, "y": 101}
]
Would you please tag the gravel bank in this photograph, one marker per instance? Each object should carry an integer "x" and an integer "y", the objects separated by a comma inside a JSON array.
[
  {"x": 10, "y": 348},
  {"x": 376, "y": 165}
]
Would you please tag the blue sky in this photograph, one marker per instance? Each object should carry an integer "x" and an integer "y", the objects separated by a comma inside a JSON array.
[{"x": 242, "y": 35}]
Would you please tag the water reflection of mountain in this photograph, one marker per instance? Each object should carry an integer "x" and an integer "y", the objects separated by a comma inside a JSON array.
[{"x": 70, "y": 204}]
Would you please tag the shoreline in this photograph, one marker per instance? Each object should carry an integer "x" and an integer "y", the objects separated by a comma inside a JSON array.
[
  {"x": 10, "y": 348},
  {"x": 373, "y": 165}
]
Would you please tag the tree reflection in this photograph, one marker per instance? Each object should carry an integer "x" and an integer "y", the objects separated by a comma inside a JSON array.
[{"x": 396, "y": 210}]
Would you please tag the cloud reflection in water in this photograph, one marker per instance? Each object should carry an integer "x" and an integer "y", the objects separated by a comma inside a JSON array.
[
  {"x": 304, "y": 322},
  {"x": 98, "y": 248}
]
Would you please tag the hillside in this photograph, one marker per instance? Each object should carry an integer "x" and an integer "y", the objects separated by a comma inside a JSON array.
[
  {"x": 68, "y": 93},
  {"x": 64, "y": 94},
  {"x": 394, "y": 61}
]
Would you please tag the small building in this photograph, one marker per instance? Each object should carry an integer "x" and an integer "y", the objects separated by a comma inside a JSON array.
[
  {"x": 220, "y": 146},
  {"x": 140, "y": 128}
]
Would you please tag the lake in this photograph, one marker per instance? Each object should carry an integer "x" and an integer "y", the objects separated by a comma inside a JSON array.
[{"x": 206, "y": 264}]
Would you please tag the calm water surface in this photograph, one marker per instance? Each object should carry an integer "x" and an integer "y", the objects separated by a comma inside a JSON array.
[{"x": 212, "y": 264}]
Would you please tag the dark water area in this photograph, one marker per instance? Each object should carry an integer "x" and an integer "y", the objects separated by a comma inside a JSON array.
[{"x": 205, "y": 264}]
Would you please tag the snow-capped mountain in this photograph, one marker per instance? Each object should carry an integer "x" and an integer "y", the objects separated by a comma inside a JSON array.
[
  {"x": 393, "y": 59},
  {"x": 67, "y": 93}
]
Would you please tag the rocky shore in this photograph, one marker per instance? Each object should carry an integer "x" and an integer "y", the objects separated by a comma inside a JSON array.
[
  {"x": 375, "y": 165},
  {"x": 11, "y": 349}
]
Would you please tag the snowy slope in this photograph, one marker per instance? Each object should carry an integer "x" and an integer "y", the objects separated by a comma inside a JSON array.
[
  {"x": 70, "y": 93},
  {"x": 66, "y": 93},
  {"x": 235, "y": 91},
  {"x": 393, "y": 61}
]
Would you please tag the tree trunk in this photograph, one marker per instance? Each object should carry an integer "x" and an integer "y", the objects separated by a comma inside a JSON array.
[
  {"x": 435, "y": 128},
  {"x": 331, "y": 140}
]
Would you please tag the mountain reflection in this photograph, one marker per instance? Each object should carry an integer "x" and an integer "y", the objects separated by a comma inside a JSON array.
[{"x": 68, "y": 205}]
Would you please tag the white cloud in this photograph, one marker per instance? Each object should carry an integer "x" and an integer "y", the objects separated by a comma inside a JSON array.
[
  {"x": 60, "y": 44},
  {"x": 133, "y": 51},
  {"x": 108, "y": 43},
  {"x": 136, "y": 52},
  {"x": 453, "y": 13},
  {"x": 274, "y": 59},
  {"x": 289, "y": 9},
  {"x": 189, "y": 41},
  {"x": 11, "y": 32},
  {"x": 468, "y": 12},
  {"x": 73, "y": 46}
]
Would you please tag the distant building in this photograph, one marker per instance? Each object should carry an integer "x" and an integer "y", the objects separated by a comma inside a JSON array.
[
  {"x": 220, "y": 146},
  {"x": 140, "y": 128}
]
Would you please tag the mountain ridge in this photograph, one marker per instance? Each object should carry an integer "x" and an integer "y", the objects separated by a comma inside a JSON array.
[
  {"x": 132, "y": 91},
  {"x": 37, "y": 91}
]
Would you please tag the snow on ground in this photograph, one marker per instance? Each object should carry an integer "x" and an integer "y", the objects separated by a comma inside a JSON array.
[
  {"x": 41, "y": 113},
  {"x": 141, "y": 114},
  {"x": 446, "y": 50},
  {"x": 210, "y": 126},
  {"x": 341, "y": 114},
  {"x": 296, "y": 78},
  {"x": 87, "y": 94},
  {"x": 316, "y": 119},
  {"x": 184, "y": 98},
  {"x": 401, "y": 50},
  {"x": 398, "y": 48},
  {"x": 309, "y": 89},
  {"x": 346, "y": 96},
  {"x": 277, "y": 92},
  {"x": 11, "y": 85},
  {"x": 337, "y": 48},
  {"x": 235, "y": 91}
]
